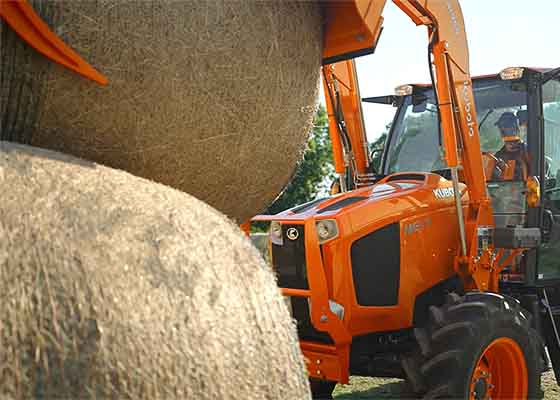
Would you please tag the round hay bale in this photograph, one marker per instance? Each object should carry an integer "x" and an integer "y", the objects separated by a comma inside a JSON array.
[
  {"x": 116, "y": 287},
  {"x": 211, "y": 97}
]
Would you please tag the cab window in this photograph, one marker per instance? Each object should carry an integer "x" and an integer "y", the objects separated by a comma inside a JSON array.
[{"x": 549, "y": 254}]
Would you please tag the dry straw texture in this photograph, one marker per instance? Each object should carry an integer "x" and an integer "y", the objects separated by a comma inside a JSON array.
[
  {"x": 112, "y": 286},
  {"x": 212, "y": 97}
]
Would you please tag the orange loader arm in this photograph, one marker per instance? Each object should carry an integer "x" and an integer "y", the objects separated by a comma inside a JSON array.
[
  {"x": 453, "y": 86},
  {"x": 459, "y": 126}
]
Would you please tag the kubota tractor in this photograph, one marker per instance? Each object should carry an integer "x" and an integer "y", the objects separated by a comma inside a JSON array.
[{"x": 443, "y": 266}]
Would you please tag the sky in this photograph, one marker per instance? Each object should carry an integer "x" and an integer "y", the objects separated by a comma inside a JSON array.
[{"x": 501, "y": 33}]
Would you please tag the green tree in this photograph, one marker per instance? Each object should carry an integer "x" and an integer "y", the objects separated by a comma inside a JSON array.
[{"x": 315, "y": 171}]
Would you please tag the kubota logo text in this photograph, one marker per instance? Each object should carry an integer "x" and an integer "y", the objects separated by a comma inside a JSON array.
[
  {"x": 468, "y": 107},
  {"x": 454, "y": 18},
  {"x": 444, "y": 193}
]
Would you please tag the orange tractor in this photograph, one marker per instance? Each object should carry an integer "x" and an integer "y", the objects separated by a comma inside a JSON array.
[{"x": 442, "y": 266}]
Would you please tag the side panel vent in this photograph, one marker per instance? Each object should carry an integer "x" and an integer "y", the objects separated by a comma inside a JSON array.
[
  {"x": 304, "y": 207},
  {"x": 376, "y": 261},
  {"x": 342, "y": 203},
  {"x": 407, "y": 177}
]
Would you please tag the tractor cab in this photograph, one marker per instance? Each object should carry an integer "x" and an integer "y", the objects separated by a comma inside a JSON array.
[{"x": 519, "y": 126}]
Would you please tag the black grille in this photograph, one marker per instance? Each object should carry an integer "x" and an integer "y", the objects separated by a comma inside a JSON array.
[
  {"x": 305, "y": 328},
  {"x": 289, "y": 259},
  {"x": 376, "y": 267}
]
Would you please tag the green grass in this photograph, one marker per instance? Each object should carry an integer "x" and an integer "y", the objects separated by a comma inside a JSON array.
[{"x": 379, "y": 388}]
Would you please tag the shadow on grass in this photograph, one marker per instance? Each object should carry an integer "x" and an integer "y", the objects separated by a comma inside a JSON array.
[{"x": 372, "y": 389}]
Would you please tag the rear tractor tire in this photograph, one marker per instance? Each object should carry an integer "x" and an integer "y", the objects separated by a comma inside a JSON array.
[{"x": 477, "y": 347}]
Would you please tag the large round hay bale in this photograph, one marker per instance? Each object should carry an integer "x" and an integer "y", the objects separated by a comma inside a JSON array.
[
  {"x": 212, "y": 97},
  {"x": 112, "y": 286}
]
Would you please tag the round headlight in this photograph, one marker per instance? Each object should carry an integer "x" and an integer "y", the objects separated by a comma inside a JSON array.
[
  {"x": 323, "y": 230},
  {"x": 326, "y": 230},
  {"x": 276, "y": 232}
]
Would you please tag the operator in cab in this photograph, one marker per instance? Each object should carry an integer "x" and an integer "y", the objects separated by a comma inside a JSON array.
[
  {"x": 523, "y": 120},
  {"x": 512, "y": 158}
]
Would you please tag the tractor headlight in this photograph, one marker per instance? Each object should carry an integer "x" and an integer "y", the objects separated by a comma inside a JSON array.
[
  {"x": 511, "y": 73},
  {"x": 276, "y": 232},
  {"x": 404, "y": 90},
  {"x": 327, "y": 229}
]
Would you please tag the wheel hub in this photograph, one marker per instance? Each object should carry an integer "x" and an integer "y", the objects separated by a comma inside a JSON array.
[
  {"x": 480, "y": 389},
  {"x": 500, "y": 373}
]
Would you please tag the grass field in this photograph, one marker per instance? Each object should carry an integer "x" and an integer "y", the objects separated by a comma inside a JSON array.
[{"x": 378, "y": 388}]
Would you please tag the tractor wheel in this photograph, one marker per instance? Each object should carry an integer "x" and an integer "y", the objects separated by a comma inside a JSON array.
[
  {"x": 479, "y": 346},
  {"x": 321, "y": 390}
]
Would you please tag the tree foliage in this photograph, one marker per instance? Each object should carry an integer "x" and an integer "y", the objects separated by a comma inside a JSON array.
[{"x": 314, "y": 173}]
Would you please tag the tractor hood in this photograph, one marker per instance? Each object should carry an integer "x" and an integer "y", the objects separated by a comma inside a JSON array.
[{"x": 393, "y": 197}]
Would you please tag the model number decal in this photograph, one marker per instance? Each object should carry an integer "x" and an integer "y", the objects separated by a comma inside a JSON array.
[
  {"x": 444, "y": 193},
  {"x": 417, "y": 226}
]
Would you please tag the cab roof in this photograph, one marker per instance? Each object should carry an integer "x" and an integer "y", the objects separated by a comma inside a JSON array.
[{"x": 538, "y": 70}]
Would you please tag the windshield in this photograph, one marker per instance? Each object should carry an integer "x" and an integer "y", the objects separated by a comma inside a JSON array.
[{"x": 415, "y": 145}]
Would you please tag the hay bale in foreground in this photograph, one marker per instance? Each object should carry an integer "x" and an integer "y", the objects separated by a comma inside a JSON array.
[
  {"x": 112, "y": 286},
  {"x": 212, "y": 97}
]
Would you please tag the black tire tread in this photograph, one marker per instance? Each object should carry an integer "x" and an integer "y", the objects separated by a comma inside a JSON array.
[
  {"x": 458, "y": 332},
  {"x": 440, "y": 392},
  {"x": 441, "y": 361},
  {"x": 443, "y": 334}
]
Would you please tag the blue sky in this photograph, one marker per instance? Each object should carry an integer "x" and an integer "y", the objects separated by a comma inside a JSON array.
[{"x": 501, "y": 33}]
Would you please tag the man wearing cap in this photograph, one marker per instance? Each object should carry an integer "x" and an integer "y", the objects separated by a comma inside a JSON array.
[
  {"x": 512, "y": 159},
  {"x": 511, "y": 164}
]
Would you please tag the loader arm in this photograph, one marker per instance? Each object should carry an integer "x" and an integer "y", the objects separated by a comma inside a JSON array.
[
  {"x": 459, "y": 127},
  {"x": 449, "y": 58}
]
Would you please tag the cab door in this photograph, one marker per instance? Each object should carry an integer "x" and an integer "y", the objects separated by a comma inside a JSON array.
[{"x": 549, "y": 253}]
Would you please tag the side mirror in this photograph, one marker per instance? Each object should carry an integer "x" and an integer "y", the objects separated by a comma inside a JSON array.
[{"x": 393, "y": 100}]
